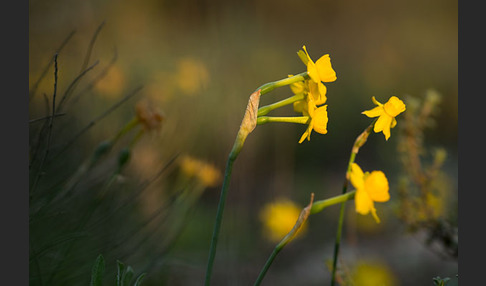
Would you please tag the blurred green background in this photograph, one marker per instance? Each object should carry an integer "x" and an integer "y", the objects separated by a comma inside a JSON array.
[{"x": 198, "y": 62}]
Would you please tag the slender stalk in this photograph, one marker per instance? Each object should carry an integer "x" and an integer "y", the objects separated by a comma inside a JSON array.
[
  {"x": 49, "y": 132},
  {"x": 264, "y": 110},
  {"x": 299, "y": 119},
  {"x": 219, "y": 214},
  {"x": 46, "y": 69},
  {"x": 360, "y": 140},
  {"x": 270, "y": 259},
  {"x": 266, "y": 88},
  {"x": 318, "y": 206},
  {"x": 45, "y": 117}
]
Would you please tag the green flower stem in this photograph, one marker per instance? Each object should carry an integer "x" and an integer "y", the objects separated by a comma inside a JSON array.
[
  {"x": 316, "y": 207},
  {"x": 266, "y": 119},
  {"x": 266, "y": 88},
  {"x": 219, "y": 214},
  {"x": 264, "y": 110},
  {"x": 360, "y": 141},
  {"x": 246, "y": 127},
  {"x": 275, "y": 251}
]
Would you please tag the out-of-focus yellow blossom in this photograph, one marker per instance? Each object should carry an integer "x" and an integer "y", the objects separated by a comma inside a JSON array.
[
  {"x": 386, "y": 114},
  {"x": 206, "y": 174},
  {"x": 279, "y": 218},
  {"x": 150, "y": 118},
  {"x": 370, "y": 187},
  {"x": 192, "y": 75},
  {"x": 372, "y": 274},
  {"x": 113, "y": 83},
  {"x": 318, "y": 119},
  {"x": 321, "y": 70}
]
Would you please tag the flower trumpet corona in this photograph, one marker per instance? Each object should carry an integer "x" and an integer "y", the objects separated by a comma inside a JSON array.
[
  {"x": 321, "y": 70},
  {"x": 370, "y": 187},
  {"x": 386, "y": 114}
]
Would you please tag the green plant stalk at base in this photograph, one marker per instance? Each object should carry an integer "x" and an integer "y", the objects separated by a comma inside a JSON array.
[{"x": 219, "y": 213}]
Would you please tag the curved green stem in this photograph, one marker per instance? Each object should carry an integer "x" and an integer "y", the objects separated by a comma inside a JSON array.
[
  {"x": 266, "y": 109},
  {"x": 270, "y": 259},
  {"x": 318, "y": 206},
  {"x": 266, "y": 88}
]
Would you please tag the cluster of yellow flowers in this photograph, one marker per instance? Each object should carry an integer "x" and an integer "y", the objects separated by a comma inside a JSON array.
[
  {"x": 371, "y": 187},
  {"x": 315, "y": 92}
]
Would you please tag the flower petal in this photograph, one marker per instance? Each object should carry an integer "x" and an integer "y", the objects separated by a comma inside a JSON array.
[
  {"x": 383, "y": 124},
  {"x": 376, "y": 185},
  {"x": 394, "y": 106},
  {"x": 363, "y": 202},
  {"x": 320, "y": 120},
  {"x": 325, "y": 70},
  {"x": 312, "y": 71},
  {"x": 318, "y": 92},
  {"x": 306, "y": 133},
  {"x": 375, "y": 112},
  {"x": 356, "y": 176},
  {"x": 301, "y": 107}
]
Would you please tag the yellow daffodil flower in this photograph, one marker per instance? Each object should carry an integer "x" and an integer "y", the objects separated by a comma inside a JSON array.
[
  {"x": 386, "y": 114},
  {"x": 370, "y": 187},
  {"x": 318, "y": 119},
  {"x": 321, "y": 70}
]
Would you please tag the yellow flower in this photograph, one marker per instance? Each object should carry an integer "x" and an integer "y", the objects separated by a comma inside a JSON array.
[
  {"x": 370, "y": 187},
  {"x": 318, "y": 119},
  {"x": 321, "y": 70},
  {"x": 205, "y": 173},
  {"x": 367, "y": 273},
  {"x": 279, "y": 218},
  {"x": 386, "y": 113}
]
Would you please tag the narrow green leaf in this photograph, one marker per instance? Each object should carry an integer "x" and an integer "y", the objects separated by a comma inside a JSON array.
[
  {"x": 139, "y": 279},
  {"x": 127, "y": 277},
  {"x": 97, "y": 271},
  {"x": 120, "y": 272}
]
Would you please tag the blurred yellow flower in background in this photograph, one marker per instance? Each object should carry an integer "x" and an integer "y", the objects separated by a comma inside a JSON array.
[
  {"x": 191, "y": 75},
  {"x": 279, "y": 218},
  {"x": 386, "y": 114},
  {"x": 367, "y": 273},
  {"x": 370, "y": 187},
  {"x": 205, "y": 173},
  {"x": 148, "y": 116},
  {"x": 112, "y": 84}
]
